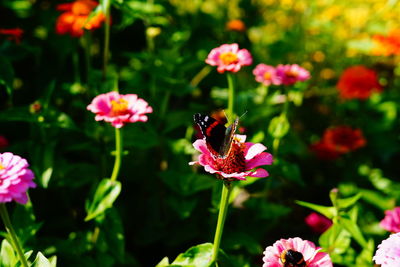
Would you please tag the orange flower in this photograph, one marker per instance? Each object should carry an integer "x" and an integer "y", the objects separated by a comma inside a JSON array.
[
  {"x": 14, "y": 34},
  {"x": 387, "y": 45},
  {"x": 235, "y": 25},
  {"x": 358, "y": 82},
  {"x": 76, "y": 18}
]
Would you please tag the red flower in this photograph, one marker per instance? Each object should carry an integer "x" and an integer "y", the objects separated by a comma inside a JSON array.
[
  {"x": 317, "y": 222},
  {"x": 76, "y": 18},
  {"x": 387, "y": 45},
  {"x": 358, "y": 82},
  {"x": 337, "y": 141},
  {"x": 14, "y": 34},
  {"x": 235, "y": 25}
]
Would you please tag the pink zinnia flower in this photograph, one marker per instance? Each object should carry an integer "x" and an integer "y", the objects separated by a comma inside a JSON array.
[
  {"x": 391, "y": 222},
  {"x": 119, "y": 109},
  {"x": 291, "y": 74},
  {"x": 15, "y": 178},
  {"x": 298, "y": 250},
  {"x": 228, "y": 57},
  {"x": 266, "y": 75},
  {"x": 239, "y": 163},
  {"x": 317, "y": 222},
  {"x": 388, "y": 252}
]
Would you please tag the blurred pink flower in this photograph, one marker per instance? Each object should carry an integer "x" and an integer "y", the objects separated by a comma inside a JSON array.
[
  {"x": 317, "y": 222},
  {"x": 228, "y": 57},
  {"x": 240, "y": 161},
  {"x": 119, "y": 109},
  {"x": 297, "y": 250},
  {"x": 266, "y": 75},
  {"x": 15, "y": 178},
  {"x": 391, "y": 222},
  {"x": 291, "y": 74},
  {"x": 3, "y": 143},
  {"x": 388, "y": 252}
]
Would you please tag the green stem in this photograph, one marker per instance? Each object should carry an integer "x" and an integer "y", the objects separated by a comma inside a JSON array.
[
  {"x": 285, "y": 109},
  {"x": 231, "y": 97},
  {"x": 164, "y": 103},
  {"x": 75, "y": 60},
  {"x": 7, "y": 223},
  {"x": 200, "y": 76},
  {"x": 223, "y": 208},
  {"x": 118, "y": 154},
  {"x": 106, "y": 51},
  {"x": 87, "y": 44}
]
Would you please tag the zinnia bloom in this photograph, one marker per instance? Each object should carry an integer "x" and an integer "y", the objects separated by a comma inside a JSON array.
[
  {"x": 291, "y": 74},
  {"x": 119, "y": 109},
  {"x": 317, "y": 222},
  {"x": 235, "y": 25},
  {"x": 228, "y": 57},
  {"x": 76, "y": 18},
  {"x": 358, "y": 82},
  {"x": 391, "y": 222},
  {"x": 14, "y": 34},
  {"x": 266, "y": 75},
  {"x": 388, "y": 252},
  {"x": 285, "y": 251},
  {"x": 241, "y": 161},
  {"x": 387, "y": 45},
  {"x": 15, "y": 178}
]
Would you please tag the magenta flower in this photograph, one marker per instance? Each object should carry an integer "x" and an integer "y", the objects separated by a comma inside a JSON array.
[
  {"x": 119, "y": 109},
  {"x": 388, "y": 252},
  {"x": 317, "y": 222},
  {"x": 266, "y": 75},
  {"x": 285, "y": 251},
  {"x": 239, "y": 163},
  {"x": 291, "y": 74},
  {"x": 391, "y": 222},
  {"x": 15, "y": 178},
  {"x": 228, "y": 57}
]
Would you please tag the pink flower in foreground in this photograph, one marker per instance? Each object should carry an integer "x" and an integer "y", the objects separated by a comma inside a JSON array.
[
  {"x": 391, "y": 222},
  {"x": 15, "y": 178},
  {"x": 119, "y": 109},
  {"x": 295, "y": 251},
  {"x": 388, "y": 252},
  {"x": 291, "y": 74},
  {"x": 228, "y": 57},
  {"x": 317, "y": 222},
  {"x": 266, "y": 75},
  {"x": 239, "y": 163}
]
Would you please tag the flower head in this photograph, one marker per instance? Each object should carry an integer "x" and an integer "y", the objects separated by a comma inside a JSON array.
[
  {"x": 291, "y": 74},
  {"x": 14, "y": 34},
  {"x": 228, "y": 57},
  {"x": 235, "y": 25},
  {"x": 266, "y": 75},
  {"x": 386, "y": 45},
  {"x": 119, "y": 109},
  {"x": 388, "y": 252},
  {"x": 15, "y": 178},
  {"x": 317, "y": 222},
  {"x": 240, "y": 161},
  {"x": 76, "y": 17},
  {"x": 358, "y": 82},
  {"x": 284, "y": 251},
  {"x": 391, "y": 222}
]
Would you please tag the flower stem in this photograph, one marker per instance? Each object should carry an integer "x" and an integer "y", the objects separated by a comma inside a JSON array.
[
  {"x": 118, "y": 154},
  {"x": 223, "y": 208},
  {"x": 106, "y": 51},
  {"x": 7, "y": 223},
  {"x": 87, "y": 44},
  {"x": 231, "y": 97}
]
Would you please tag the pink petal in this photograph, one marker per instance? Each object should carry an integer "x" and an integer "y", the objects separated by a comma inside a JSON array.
[{"x": 261, "y": 159}]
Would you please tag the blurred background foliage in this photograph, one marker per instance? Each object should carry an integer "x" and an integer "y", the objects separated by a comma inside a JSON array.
[{"x": 158, "y": 50}]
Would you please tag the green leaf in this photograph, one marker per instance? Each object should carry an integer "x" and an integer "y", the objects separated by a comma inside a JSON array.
[
  {"x": 6, "y": 74},
  {"x": 106, "y": 193},
  {"x": 377, "y": 199},
  {"x": 328, "y": 212},
  {"x": 347, "y": 202},
  {"x": 187, "y": 184},
  {"x": 351, "y": 226},
  {"x": 335, "y": 240},
  {"x": 279, "y": 126},
  {"x": 42, "y": 261},
  {"x": 163, "y": 263},
  {"x": 365, "y": 257},
  {"x": 7, "y": 256}
]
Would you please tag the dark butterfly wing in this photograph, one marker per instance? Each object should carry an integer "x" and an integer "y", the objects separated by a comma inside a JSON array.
[
  {"x": 228, "y": 139},
  {"x": 213, "y": 131}
]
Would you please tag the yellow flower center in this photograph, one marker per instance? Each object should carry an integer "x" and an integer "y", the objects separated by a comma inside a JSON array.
[
  {"x": 228, "y": 58},
  {"x": 267, "y": 75},
  {"x": 119, "y": 107},
  {"x": 1, "y": 167}
]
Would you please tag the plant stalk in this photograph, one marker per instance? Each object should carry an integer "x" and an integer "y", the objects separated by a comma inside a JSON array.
[
  {"x": 231, "y": 97},
  {"x": 106, "y": 51},
  {"x": 118, "y": 154}
]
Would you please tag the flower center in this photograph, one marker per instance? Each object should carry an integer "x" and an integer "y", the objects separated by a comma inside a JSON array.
[
  {"x": 234, "y": 161},
  {"x": 292, "y": 258},
  {"x": 228, "y": 58},
  {"x": 292, "y": 73},
  {"x": 119, "y": 107},
  {"x": 1, "y": 167},
  {"x": 267, "y": 75}
]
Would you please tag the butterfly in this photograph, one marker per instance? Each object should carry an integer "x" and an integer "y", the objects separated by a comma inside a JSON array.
[{"x": 218, "y": 138}]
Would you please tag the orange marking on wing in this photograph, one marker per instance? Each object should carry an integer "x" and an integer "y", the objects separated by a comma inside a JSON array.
[{"x": 209, "y": 128}]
